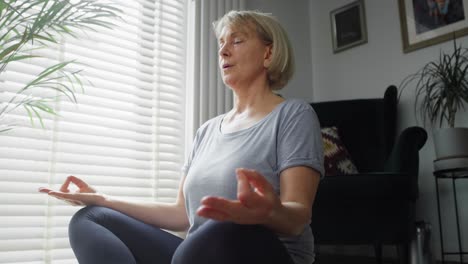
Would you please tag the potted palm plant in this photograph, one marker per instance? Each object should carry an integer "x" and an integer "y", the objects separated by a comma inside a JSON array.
[
  {"x": 27, "y": 26},
  {"x": 441, "y": 93}
]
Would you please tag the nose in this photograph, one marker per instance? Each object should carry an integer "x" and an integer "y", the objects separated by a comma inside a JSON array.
[{"x": 223, "y": 50}]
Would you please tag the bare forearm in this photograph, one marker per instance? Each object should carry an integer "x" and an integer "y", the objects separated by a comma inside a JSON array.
[
  {"x": 166, "y": 216},
  {"x": 289, "y": 218},
  {"x": 293, "y": 212}
]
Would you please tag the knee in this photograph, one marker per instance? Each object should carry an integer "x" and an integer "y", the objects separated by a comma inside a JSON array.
[
  {"x": 215, "y": 241},
  {"x": 82, "y": 219},
  {"x": 231, "y": 232},
  {"x": 85, "y": 213},
  {"x": 212, "y": 231}
]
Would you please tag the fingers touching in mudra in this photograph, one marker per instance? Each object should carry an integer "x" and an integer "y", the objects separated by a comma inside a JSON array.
[
  {"x": 256, "y": 201},
  {"x": 84, "y": 195}
]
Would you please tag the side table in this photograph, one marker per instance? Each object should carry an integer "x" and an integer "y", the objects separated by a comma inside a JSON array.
[{"x": 454, "y": 175}]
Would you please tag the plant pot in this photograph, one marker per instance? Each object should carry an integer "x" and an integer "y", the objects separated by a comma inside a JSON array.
[{"x": 451, "y": 148}]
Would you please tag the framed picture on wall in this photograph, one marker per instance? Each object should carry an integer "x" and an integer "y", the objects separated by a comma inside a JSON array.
[
  {"x": 348, "y": 26},
  {"x": 428, "y": 22}
]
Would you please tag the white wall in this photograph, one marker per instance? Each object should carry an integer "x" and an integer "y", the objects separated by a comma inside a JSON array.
[
  {"x": 294, "y": 16},
  {"x": 365, "y": 71}
]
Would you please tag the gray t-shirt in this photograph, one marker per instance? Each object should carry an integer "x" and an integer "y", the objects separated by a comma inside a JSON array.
[{"x": 288, "y": 136}]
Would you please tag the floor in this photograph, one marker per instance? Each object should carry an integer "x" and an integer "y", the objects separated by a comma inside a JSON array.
[{"x": 328, "y": 259}]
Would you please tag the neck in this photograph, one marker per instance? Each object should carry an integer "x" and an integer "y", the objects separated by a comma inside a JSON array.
[
  {"x": 250, "y": 106},
  {"x": 253, "y": 101},
  {"x": 252, "y": 96},
  {"x": 253, "y": 105}
]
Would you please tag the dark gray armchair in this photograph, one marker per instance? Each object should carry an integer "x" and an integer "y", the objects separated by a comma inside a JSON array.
[{"x": 376, "y": 206}]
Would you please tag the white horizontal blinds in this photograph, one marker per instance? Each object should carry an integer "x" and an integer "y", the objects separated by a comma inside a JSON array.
[
  {"x": 125, "y": 137},
  {"x": 24, "y": 166},
  {"x": 170, "y": 64}
]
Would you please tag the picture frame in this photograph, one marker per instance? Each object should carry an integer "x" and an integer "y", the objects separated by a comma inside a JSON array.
[
  {"x": 349, "y": 27},
  {"x": 425, "y": 22}
]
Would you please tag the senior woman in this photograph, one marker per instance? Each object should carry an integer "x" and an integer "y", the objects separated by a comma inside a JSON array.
[{"x": 249, "y": 183}]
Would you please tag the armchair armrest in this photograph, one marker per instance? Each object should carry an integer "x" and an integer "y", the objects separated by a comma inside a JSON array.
[{"x": 404, "y": 157}]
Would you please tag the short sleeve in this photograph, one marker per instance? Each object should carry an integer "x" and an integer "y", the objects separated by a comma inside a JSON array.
[
  {"x": 195, "y": 144},
  {"x": 188, "y": 161},
  {"x": 300, "y": 142},
  {"x": 202, "y": 132}
]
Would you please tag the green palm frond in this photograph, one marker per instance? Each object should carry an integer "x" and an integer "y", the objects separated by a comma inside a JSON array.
[{"x": 39, "y": 23}]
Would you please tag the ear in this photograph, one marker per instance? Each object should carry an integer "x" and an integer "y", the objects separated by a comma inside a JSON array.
[{"x": 267, "y": 56}]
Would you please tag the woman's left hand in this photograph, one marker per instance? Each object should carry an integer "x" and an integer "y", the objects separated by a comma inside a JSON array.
[{"x": 256, "y": 201}]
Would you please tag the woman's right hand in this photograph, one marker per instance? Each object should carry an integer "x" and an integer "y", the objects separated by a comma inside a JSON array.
[{"x": 85, "y": 195}]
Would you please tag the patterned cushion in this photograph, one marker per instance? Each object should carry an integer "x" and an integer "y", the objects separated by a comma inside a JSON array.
[{"x": 337, "y": 158}]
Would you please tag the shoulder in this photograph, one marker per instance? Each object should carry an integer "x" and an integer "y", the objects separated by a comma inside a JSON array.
[
  {"x": 294, "y": 107},
  {"x": 209, "y": 126},
  {"x": 295, "y": 113}
]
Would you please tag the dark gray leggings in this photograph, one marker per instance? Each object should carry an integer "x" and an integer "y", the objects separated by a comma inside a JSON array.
[{"x": 100, "y": 235}]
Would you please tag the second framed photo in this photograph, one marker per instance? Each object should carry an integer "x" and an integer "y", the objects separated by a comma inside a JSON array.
[
  {"x": 429, "y": 22},
  {"x": 349, "y": 27}
]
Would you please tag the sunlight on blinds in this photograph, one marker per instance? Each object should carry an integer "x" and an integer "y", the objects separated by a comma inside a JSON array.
[{"x": 125, "y": 136}]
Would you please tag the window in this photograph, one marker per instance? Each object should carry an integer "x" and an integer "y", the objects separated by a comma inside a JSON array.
[{"x": 125, "y": 136}]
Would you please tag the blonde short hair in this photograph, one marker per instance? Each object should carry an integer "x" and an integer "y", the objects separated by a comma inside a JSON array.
[{"x": 271, "y": 32}]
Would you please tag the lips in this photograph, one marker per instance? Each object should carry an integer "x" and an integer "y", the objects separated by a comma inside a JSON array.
[{"x": 225, "y": 66}]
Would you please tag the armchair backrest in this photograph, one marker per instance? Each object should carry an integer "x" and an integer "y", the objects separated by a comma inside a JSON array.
[{"x": 367, "y": 127}]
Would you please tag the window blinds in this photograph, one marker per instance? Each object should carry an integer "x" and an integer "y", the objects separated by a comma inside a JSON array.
[{"x": 125, "y": 136}]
